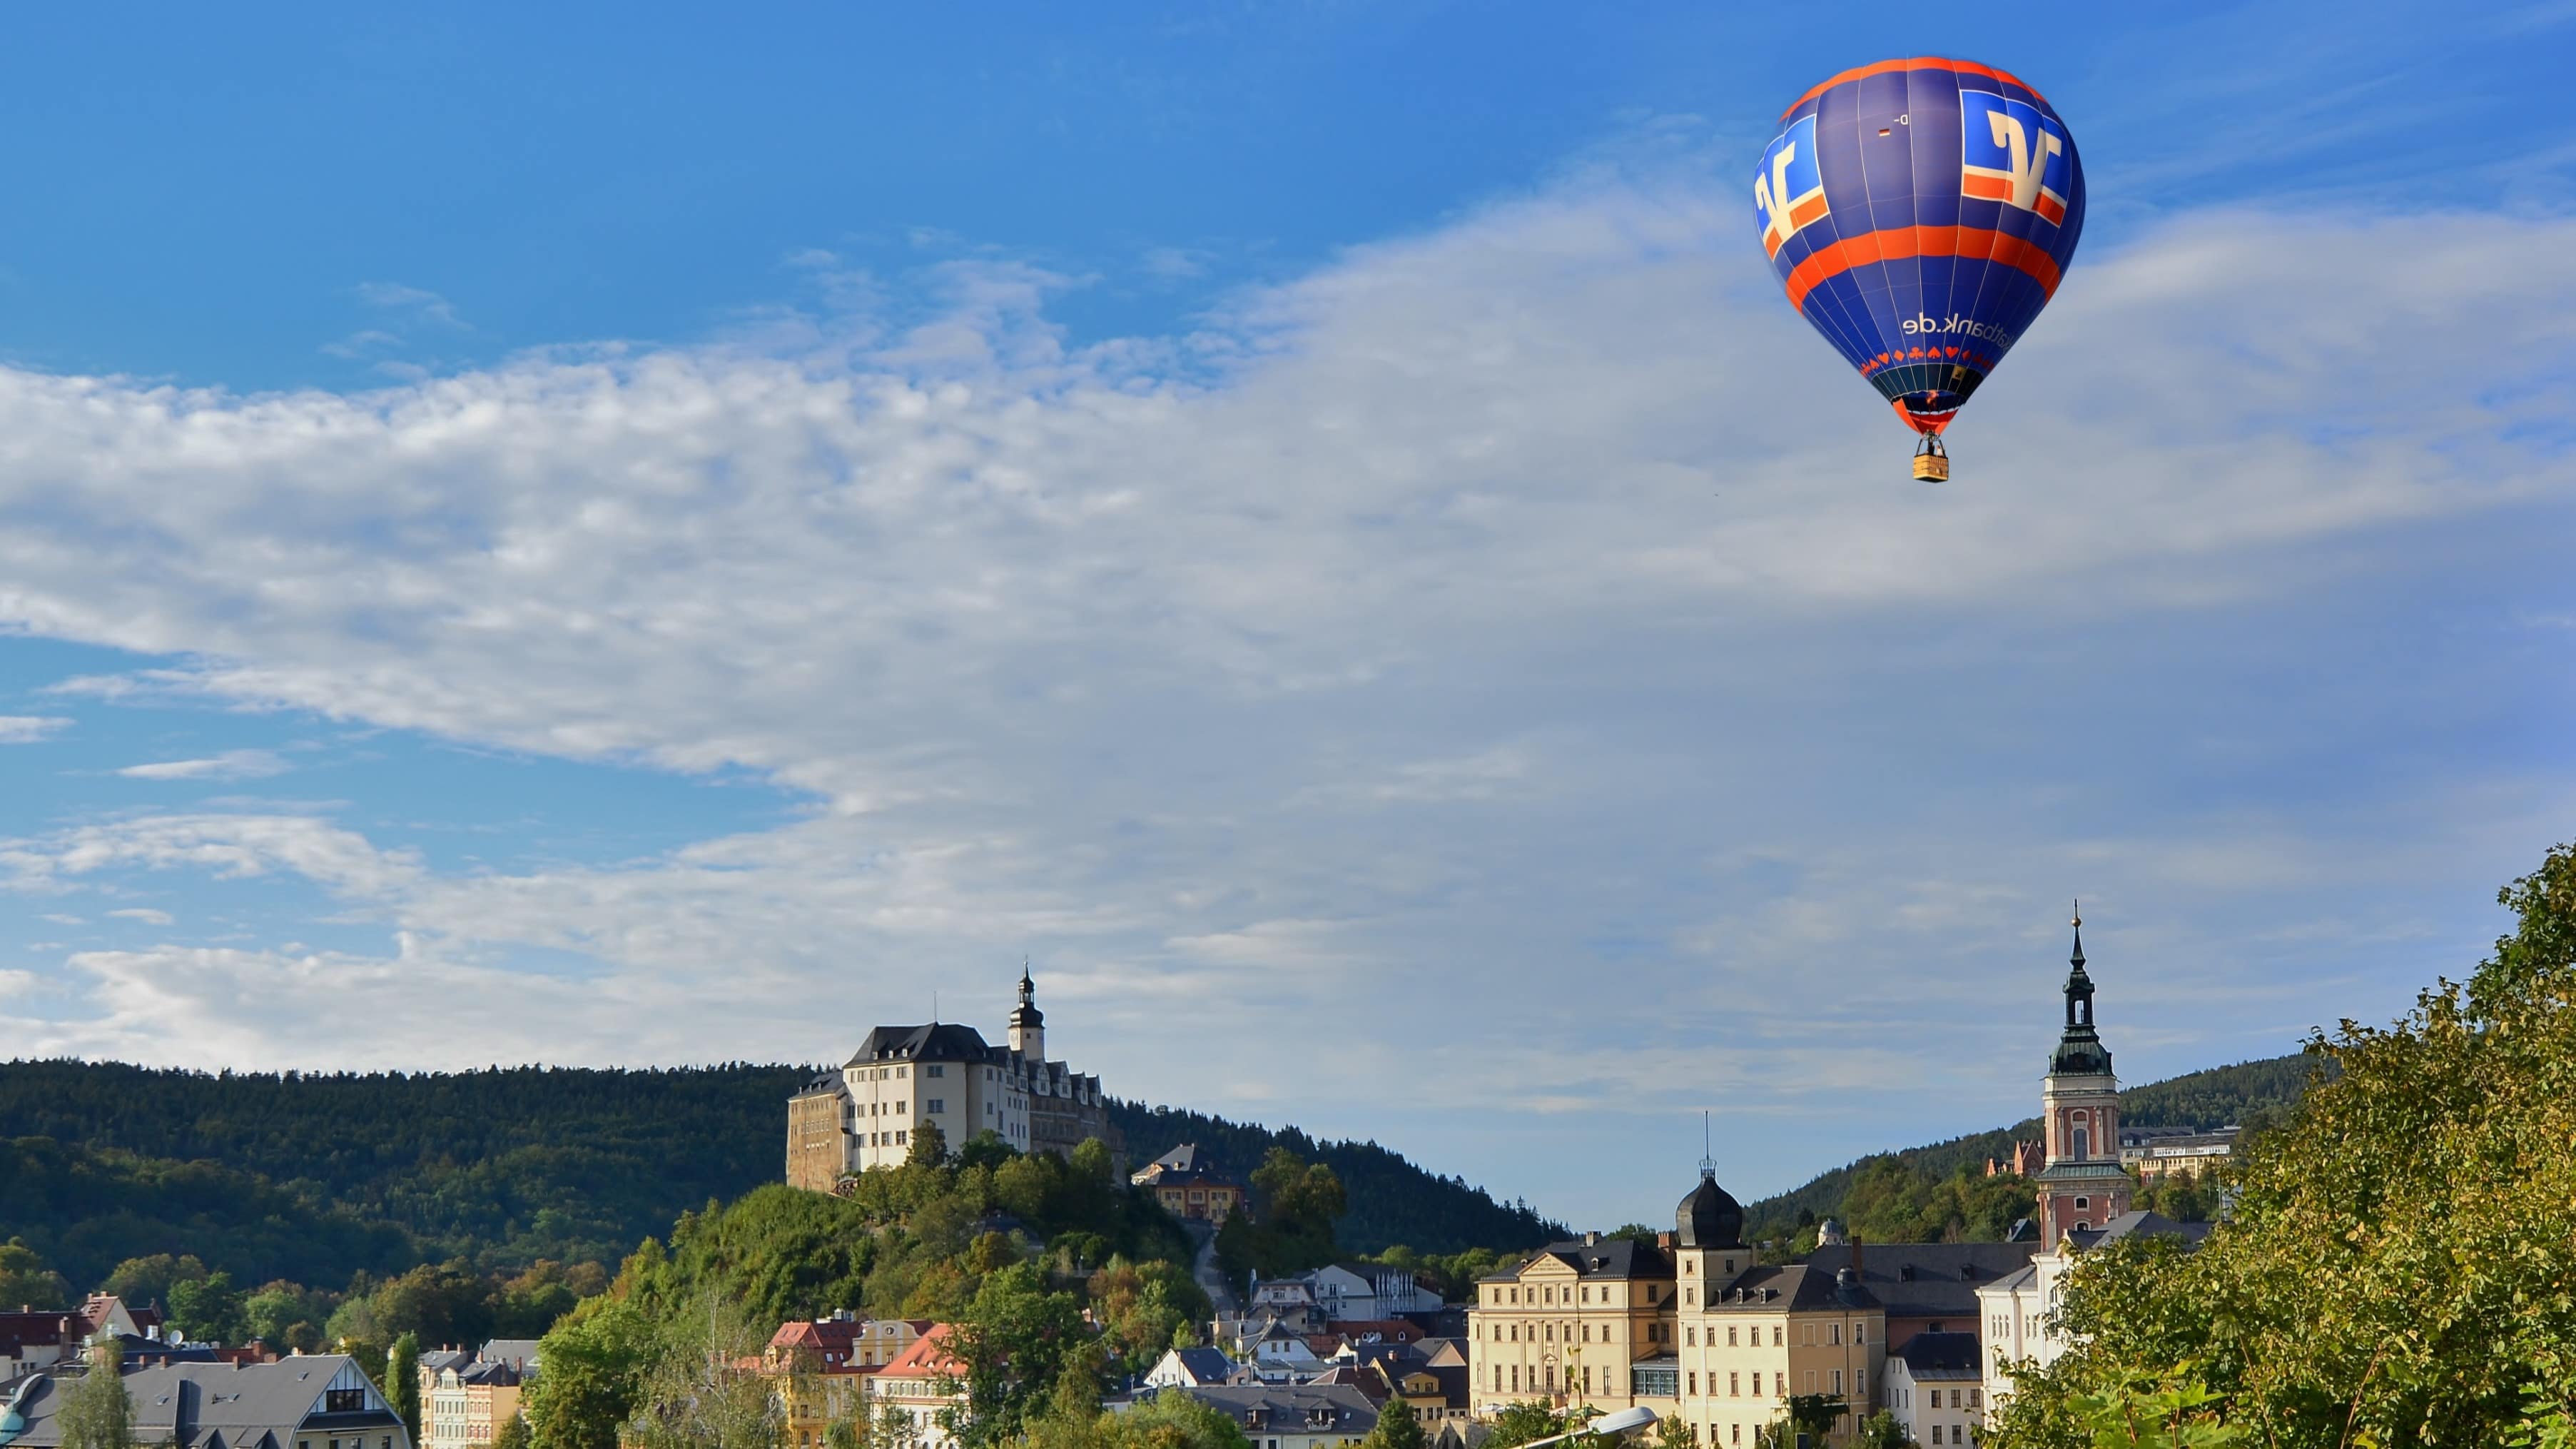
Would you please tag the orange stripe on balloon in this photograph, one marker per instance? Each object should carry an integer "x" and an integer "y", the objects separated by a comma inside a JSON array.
[
  {"x": 1921, "y": 62},
  {"x": 1928, "y": 241}
]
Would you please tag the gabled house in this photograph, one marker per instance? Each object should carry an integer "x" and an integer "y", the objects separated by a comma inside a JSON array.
[
  {"x": 1296, "y": 1416},
  {"x": 317, "y": 1401},
  {"x": 1191, "y": 1368},
  {"x": 924, "y": 1390}
]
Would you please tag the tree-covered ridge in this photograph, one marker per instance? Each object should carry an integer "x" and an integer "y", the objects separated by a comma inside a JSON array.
[
  {"x": 85, "y": 1209},
  {"x": 313, "y": 1176},
  {"x": 503, "y": 1167},
  {"x": 2249, "y": 1094},
  {"x": 1390, "y": 1201}
]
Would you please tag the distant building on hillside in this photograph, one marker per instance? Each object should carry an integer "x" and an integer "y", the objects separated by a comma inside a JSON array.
[
  {"x": 1189, "y": 1185},
  {"x": 902, "y": 1077},
  {"x": 2154, "y": 1154}
]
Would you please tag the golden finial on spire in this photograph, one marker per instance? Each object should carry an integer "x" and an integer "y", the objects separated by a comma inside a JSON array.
[{"x": 2079, "y": 913}]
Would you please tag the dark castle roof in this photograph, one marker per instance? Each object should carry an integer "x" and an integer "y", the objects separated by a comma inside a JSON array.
[{"x": 940, "y": 1041}]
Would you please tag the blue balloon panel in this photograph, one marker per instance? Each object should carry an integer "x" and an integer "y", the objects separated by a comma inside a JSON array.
[{"x": 1921, "y": 213}]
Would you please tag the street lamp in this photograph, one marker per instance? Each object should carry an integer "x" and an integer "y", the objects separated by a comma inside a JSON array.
[{"x": 1626, "y": 1421}]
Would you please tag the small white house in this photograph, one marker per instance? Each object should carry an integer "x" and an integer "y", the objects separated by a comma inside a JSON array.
[
  {"x": 1935, "y": 1386},
  {"x": 1190, "y": 1368}
]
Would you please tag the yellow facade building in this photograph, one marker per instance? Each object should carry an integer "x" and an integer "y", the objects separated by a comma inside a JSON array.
[{"x": 1689, "y": 1325}]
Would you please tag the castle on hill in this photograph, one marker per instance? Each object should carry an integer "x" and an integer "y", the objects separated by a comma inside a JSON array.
[{"x": 943, "y": 1074}]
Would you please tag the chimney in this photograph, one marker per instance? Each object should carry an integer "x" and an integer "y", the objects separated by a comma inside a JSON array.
[
  {"x": 1664, "y": 1241},
  {"x": 1856, "y": 1267},
  {"x": 1591, "y": 1240}
]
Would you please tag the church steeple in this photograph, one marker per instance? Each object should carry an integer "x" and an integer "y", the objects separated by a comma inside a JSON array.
[
  {"x": 2083, "y": 1185},
  {"x": 2079, "y": 1049}
]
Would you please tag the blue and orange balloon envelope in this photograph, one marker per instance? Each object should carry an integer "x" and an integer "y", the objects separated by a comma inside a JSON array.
[{"x": 1921, "y": 213}]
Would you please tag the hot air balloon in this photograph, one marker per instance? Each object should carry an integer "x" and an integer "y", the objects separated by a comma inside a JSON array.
[{"x": 1921, "y": 213}]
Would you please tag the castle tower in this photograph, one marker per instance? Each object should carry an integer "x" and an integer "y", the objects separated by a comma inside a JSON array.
[
  {"x": 1708, "y": 1239},
  {"x": 2083, "y": 1185},
  {"x": 1028, "y": 1024}
]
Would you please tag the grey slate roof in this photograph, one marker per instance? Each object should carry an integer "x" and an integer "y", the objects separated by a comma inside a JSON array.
[
  {"x": 221, "y": 1406},
  {"x": 1801, "y": 1285},
  {"x": 520, "y": 1351},
  {"x": 2139, "y": 1223},
  {"x": 1609, "y": 1258},
  {"x": 940, "y": 1041},
  {"x": 1207, "y": 1365},
  {"x": 1927, "y": 1280},
  {"x": 1337, "y": 1410},
  {"x": 1941, "y": 1356}
]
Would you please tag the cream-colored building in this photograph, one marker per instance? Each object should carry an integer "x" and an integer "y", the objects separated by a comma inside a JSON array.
[
  {"x": 920, "y": 1393},
  {"x": 902, "y": 1077},
  {"x": 463, "y": 1405},
  {"x": 1690, "y": 1326}
]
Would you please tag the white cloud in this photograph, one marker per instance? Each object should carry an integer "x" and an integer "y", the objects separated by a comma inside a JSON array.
[
  {"x": 1696, "y": 746},
  {"x": 230, "y": 765},
  {"x": 28, "y": 729},
  {"x": 146, "y": 915}
]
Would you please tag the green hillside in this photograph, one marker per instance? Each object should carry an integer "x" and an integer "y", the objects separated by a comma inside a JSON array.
[
  {"x": 313, "y": 1177},
  {"x": 1391, "y": 1200},
  {"x": 2249, "y": 1094}
]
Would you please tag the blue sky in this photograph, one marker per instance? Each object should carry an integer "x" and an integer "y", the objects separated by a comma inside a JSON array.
[{"x": 1310, "y": 522}]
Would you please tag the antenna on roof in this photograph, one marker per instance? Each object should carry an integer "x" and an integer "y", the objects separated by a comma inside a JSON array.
[
  {"x": 1707, "y": 1148},
  {"x": 934, "y": 1006}
]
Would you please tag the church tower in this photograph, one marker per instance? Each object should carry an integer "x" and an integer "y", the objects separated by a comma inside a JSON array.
[
  {"x": 2083, "y": 1185},
  {"x": 1028, "y": 1024}
]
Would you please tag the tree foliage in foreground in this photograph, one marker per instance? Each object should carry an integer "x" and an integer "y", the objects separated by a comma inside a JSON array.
[{"x": 2400, "y": 1263}]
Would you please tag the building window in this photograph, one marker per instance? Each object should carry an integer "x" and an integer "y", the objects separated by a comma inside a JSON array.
[
  {"x": 1691, "y": 1335},
  {"x": 1694, "y": 1385},
  {"x": 1777, "y": 1340},
  {"x": 2082, "y": 1203},
  {"x": 899, "y": 1139},
  {"x": 1730, "y": 1335},
  {"x": 1834, "y": 1334},
  {"x": 1734, "y": 1385},
  {"x": 934, "y": 1070},
  {"x": 938, "y": 1104},
  {"x": 1974, "y": 1398},
  {"x": 1838, "y": 1381},
  {"x": 1860, "y": 1332}
]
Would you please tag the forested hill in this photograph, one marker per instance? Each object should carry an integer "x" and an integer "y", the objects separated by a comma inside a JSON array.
[
  {"x": 313, "y": 1177},
  {"x": 1391, "y": 1200},
  {"x": 2250, "y": 1095}
]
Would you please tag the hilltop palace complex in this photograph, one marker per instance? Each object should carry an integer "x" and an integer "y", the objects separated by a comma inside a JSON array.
[{"x": 942, "y": 1074}]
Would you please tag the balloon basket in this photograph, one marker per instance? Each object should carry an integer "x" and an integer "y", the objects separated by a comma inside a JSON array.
[{"x": 1931, "y": 461}]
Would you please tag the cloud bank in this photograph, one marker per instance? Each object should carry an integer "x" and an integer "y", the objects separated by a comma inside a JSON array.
[{"x": 1505, "y": 671}]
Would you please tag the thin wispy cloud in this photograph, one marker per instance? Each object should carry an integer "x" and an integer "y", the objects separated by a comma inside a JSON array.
[
  {"x": 230, "y": 765},
  {"x": 28, "y": 729}
]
